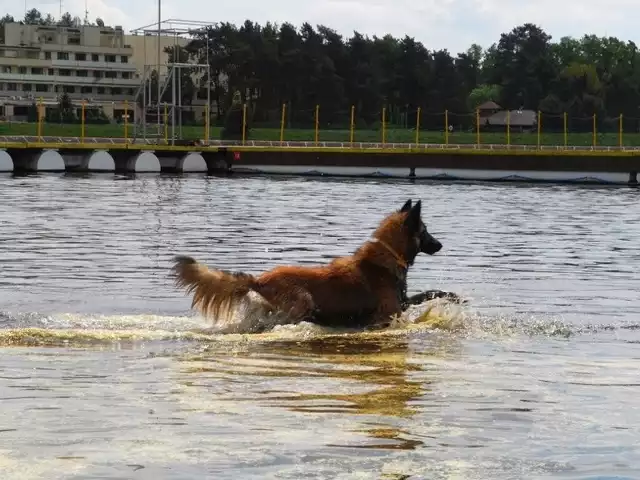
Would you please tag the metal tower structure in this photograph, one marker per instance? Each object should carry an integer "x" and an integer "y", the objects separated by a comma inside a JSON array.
[{"x": 168, "y": 114}]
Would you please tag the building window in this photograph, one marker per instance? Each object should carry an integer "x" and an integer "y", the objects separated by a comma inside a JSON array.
[
  {"x": 64, "y": 72},
  {"x": 52, "y": 71},
  {"x": 116, "y": 91},
  {"x": 20, "y": 111},
  {"x": 47, "y": 55},
  {"x": 95, "y": 57},
  {"x": 6, "y": 69},
  {"x": 37, "y": 71},
  {"x": 69, "y": 89},
  {"x": 100, "y": 90},
  {"x": 82, "y": 73},
  {"x": 26, "y": 87},
  {"x": 124, "y": 59},
  {"x": 86, "y": 90},
  {"x": 97, "y": 74},
  {"x": 12, "y": 87},
  {"x": 22, "y": 70},
  {"x": 81, "y": 57},
  {"x": 131, "y": 92},
  {"x": 74, "y": 41},
  {"x": 41, "y": 88},
  {"x": 63, "y": 55},
  {"x": 110, "y": 58},
  {"x": 126, "y": 75},
  {"x": 110, "y": 74}
]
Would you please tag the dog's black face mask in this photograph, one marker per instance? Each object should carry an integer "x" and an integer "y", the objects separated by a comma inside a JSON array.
[
  {"x": 424, "y": 241},
  {"x": 428, "y": 244}
]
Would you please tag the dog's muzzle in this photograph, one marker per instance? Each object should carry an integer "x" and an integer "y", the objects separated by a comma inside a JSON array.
[{"x": 429, "y": 245}]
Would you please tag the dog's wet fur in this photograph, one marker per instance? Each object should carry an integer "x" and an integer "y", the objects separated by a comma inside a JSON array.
[{"x": 363, "y": 290}]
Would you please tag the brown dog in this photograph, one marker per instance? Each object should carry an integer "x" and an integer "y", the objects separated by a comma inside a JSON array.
[{"x": 362, "y": 290}]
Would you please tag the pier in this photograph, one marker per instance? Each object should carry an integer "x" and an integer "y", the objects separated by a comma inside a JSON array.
[
  {"x": 69, "y": 154},
  {"x": 515, "y": 163}
]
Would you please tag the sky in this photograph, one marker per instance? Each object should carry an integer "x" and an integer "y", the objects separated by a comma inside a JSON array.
[{"x": 438, "y": 24}]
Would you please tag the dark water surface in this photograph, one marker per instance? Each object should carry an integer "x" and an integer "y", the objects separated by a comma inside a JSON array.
[{"x": 102, "y": 375}]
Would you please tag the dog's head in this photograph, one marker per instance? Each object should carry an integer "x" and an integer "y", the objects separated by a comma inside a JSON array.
[{"x": 420, "y": 240}]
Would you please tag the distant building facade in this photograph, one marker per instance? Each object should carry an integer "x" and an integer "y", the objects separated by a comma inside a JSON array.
[
  {"x": 89, "y": 63},
  {"x": 101, "y": 66}
]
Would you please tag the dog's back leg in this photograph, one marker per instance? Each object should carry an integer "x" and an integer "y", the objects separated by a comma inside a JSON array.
[
  {"x": 296, "y": 303},
  {"x": 302, "y": 306}
]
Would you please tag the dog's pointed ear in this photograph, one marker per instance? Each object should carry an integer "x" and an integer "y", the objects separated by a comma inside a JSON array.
[
  {"x": 406, "y": 207},
  {"x": 413, "y": 218}
]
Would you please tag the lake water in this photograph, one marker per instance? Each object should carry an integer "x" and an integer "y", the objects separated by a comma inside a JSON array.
[{"x": 104, "y": 374}]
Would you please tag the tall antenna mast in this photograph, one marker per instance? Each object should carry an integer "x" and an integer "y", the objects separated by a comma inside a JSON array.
[
  {"x": 60, "y": 9},
  {"x": 86, "y": 13}
]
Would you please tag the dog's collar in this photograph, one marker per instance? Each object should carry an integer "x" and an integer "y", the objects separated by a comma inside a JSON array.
[{"x": 390, "y": 249}]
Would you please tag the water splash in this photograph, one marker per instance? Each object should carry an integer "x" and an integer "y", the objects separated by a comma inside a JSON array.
[{"x": 439, "y": 315}]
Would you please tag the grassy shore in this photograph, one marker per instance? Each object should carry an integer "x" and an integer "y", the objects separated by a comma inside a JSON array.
[{"x": 393, "y": 135}]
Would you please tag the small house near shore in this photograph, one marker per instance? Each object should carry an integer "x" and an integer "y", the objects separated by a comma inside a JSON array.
[
  {"x": 518, "y": 120},
  {"x": 486, "y": 109}
]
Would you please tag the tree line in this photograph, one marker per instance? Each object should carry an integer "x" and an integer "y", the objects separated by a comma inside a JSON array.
[
  {"x": 269, "y": 65},
  {"x": 35, "y": 17}
]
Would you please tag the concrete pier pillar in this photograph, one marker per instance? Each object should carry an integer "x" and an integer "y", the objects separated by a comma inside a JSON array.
[
  {"x": 76, "y": 161},
  {"x": 36, "y": 160},
  {"x": 218, "y": 162},
  {"x": 123, "y": 159},
  {"x": 170, "y": 161}
]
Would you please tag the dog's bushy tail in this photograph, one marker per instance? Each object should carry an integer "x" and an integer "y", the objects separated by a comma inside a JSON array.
[{"x": 214, "y": 292}]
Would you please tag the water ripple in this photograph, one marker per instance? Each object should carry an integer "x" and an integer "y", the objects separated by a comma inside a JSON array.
[{"x": 105, "y": 371}]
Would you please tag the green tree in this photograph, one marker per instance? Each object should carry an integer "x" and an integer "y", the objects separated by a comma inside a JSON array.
[
  {"x": 65, "y": 107},
  {"x": 235, "y": 120},
  {"x": 4, "y": 20},
  {"x": 33, "y": 17},
  {"x": 484, "y": 93},
  {"x": 32, "y": 113},
  {"x": 524, "y": 66},
  {"x": 66, "y": 20}
]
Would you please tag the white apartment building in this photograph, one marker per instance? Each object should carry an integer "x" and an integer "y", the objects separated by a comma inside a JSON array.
[{"x": 89, "y": 63}]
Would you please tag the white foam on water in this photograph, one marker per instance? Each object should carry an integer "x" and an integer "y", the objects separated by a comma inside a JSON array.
[
  {"x": 74, "y": 328},
  {"x": 248, "y": 323}
]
